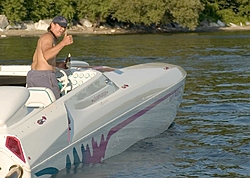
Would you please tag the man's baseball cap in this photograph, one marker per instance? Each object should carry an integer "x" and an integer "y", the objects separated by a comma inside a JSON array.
[{"x": 62, "y": 21}]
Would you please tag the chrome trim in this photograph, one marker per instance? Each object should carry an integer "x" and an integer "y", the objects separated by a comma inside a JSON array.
[{"x": 15, "y": 171}]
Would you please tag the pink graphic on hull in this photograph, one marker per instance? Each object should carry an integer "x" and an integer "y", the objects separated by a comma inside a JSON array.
[{"x": 99, "y": 151}]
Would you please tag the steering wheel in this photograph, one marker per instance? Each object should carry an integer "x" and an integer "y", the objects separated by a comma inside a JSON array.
[{"x": 64, "y": 81}]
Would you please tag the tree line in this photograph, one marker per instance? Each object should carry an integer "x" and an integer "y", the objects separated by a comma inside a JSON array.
[{"x": 186, "y": 13}]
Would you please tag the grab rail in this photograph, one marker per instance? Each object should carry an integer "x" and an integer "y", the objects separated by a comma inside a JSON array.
[{"x": 15, "y": 171}]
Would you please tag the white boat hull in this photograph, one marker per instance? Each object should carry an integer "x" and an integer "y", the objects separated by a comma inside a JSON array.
[{"x": 97, "y": 119}]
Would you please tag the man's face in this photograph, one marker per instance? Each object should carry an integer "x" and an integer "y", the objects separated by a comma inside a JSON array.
[{"x": 57, "y": 29}]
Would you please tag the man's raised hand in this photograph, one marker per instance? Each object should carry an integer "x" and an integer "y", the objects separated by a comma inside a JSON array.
[{"x": 67, "y": 39}]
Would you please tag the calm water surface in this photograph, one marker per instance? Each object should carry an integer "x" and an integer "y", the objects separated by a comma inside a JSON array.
[{"x": 211, "y": 134}]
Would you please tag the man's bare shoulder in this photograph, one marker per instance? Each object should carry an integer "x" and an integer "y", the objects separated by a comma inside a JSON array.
[{"x": 46, "y": 36}]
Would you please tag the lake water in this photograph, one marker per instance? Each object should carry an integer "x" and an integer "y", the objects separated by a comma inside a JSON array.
[{"x": 211, "y": 133}]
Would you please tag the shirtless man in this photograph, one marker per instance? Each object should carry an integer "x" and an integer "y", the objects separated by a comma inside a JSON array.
[{"x": 42, "y": 73}]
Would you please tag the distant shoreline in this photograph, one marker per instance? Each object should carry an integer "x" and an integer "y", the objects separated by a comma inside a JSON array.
[{"x": 98, "y": 31}]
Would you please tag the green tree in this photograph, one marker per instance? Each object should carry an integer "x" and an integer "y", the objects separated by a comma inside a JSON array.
[
  {"x": 42, "y": 10},
  {"x": 210, "y": 11},
  {"x": 47, "y": 9},
  {"x": 94, "y": 10},
  {"x": 244, "y": 8},
  {"x": 145, "y": 12},
  {"x": 138, "y": 12},
  {"x": 14, "y": 10},
  {"x": 1, "y": 6},
  {"x": 235, "y": 11},
  {"x": 67, "y": 8},
  {"x": 185, "y": 13}
]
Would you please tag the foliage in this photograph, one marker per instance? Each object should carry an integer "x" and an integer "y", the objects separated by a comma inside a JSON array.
[
  {"x": 65, "y": 8},
  {"x": 186, "y": 13},
  {"x": 15, "y": 10},
  {"x": 210, "y": 12},
  {"x": 41, "y": 9},
  {"x": 94, "y": 10},
  {"x": 138, "y": 12},
  {"x": 47, "y": 9},
  {"x": 234, "y": 11},
  {"x": 228, "y": 16},
  {"x": 244, "y": 9}
]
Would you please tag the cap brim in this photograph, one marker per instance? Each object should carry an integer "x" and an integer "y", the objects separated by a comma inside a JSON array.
[{"x": 63, "y": 25}]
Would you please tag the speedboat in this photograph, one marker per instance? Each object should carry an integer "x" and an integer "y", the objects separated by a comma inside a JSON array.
[{"x": 102, "y": 111}]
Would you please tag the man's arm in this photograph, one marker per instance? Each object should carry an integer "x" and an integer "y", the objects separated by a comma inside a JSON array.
[{"x": 50, "y": 51}]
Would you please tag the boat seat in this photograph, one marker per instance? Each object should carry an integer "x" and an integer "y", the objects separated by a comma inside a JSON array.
[
  {"x": 40, "y": 97},
  {"x": 12, "y": 103}
]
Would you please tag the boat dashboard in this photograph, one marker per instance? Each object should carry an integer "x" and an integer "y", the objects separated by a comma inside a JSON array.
[{"x": 71, "y": 78}]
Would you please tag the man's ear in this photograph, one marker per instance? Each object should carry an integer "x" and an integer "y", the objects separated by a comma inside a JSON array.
[{"x": 52, "y": 24}]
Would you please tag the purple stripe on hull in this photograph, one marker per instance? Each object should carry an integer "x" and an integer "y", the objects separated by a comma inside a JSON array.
[
  {"x": 99, "y": 152},
  {"x": 138, "y": 114}
]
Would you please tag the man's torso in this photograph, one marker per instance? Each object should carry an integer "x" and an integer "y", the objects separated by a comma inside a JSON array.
[{"x": 39, "y": 62}]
